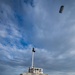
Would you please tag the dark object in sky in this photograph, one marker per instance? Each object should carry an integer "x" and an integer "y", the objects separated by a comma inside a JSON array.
[
  {"x": 61, "y": 9},
  {"x": 33, "y": 50}
]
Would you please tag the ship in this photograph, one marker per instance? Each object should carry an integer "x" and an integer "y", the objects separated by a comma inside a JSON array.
[{"x": 33, "y": 70}]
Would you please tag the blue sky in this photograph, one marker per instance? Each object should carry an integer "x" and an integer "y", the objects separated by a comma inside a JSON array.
[{"x": 25, "y": 24}]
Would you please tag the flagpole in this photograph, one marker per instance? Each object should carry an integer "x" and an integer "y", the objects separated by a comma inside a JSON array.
[{"x": 33, "y": 57}]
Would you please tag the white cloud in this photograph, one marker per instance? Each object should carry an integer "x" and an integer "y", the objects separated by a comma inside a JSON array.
[
  {"x": 8, "y": 25},
  {"x": 52, "y": 35}
]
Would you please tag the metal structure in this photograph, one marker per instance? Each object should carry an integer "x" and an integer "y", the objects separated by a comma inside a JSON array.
[
  {"x": 33, "y": 70},
  {"x": 33, "y": 51}
]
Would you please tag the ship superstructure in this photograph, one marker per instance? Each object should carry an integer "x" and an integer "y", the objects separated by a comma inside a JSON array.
[{"x": 33, "y": 70}]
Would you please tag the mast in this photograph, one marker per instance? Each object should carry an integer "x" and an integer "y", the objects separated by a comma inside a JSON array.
[
  {"x": 33, "y": 70},
  {"x": 33, "y": 51}
]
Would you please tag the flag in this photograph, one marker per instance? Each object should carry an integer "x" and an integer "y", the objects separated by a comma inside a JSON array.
[{"x": 33, "y": 50}]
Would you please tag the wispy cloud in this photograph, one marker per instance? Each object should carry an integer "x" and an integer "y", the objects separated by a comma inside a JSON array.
[{"x": 42, "y": 27}]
